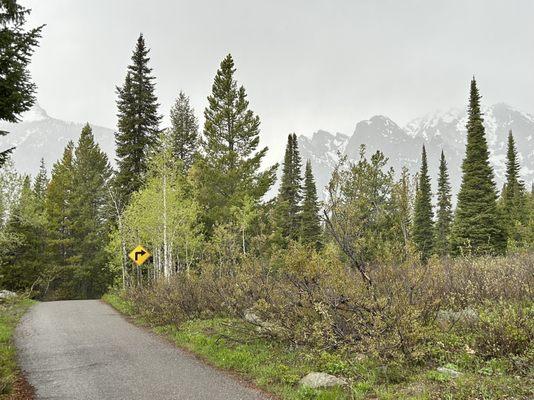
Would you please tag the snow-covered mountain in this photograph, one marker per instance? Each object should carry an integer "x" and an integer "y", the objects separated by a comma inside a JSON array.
[
  {"x": 440, "y": 130},
  {"x": 40, "y": 136}
]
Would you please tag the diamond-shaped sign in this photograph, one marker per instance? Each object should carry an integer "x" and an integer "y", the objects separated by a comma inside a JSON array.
[{"x": 139, "y": 255}]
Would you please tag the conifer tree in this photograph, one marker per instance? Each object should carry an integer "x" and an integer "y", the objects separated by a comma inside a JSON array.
[
  {"x": 138, "y": 122},
  {"x": 444, "y": 213},
  {"x": 59, "y": 209},
  {"x": 514, "y": 194},
  {"x": 422, "y": 221},
  {"x": 229, "y": 170},
  {"x": 310, "y": 222},
  {"x": 16, "y": 48},
  {"x": 40, "y": 185},
  {"x": 290, "y": 192},
  {"x": 477, "y": 225},
  {"x": 89, "y": 214},
  {"x": 184, "y": 131}
]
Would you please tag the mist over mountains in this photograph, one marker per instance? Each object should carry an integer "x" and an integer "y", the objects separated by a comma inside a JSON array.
[
  {"x": 41, "y": 136},
  {"x": 440, "y": 130}
]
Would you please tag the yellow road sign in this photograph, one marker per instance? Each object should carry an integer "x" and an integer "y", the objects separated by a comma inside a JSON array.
[{"x": 139, "y": 255}]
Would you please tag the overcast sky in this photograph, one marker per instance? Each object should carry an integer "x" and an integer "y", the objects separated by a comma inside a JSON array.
[{"x": 306, "y": 64}]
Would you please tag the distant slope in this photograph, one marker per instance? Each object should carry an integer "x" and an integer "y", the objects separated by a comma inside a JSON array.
[
  {"x": 441, "y": 130},
  {"x": 41, "y": 136}
]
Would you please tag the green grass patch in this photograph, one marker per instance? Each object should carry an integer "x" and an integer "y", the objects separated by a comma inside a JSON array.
[{"x": 10, "y": 313}]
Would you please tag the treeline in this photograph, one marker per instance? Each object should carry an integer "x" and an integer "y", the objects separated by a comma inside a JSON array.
[{"x": 199, "y": 198}]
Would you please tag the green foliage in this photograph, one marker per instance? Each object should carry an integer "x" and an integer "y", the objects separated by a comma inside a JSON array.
[
  {"x": 138, "y": 122},
  {"x": 24, "y": 242},
  {"x": 365, "y": 218},
  {"x": 311, "y": 231},
  {"x": 229, "y": 169},
  {"x": 16, "y": 48},
  {"x": 514, "y": 198},
  {"x": 10, "y": 313},
  {"x": 290, "y": 193},
  {"x": 477, "y": 225},
  {"x": 184, "y": 131},
  {"x": 444, "y": 213},
  {"x": 423, "y": 234}
]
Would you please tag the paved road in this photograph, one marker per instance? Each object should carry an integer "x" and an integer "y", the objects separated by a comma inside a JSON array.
[{"x": 86, "y": 350}]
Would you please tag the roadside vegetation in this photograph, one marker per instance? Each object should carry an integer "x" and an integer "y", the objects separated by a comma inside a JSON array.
[
  {"x": 11, "y": 310},
  {"x": 393, "y": 291},
  {"x": 459, "y": 330}
]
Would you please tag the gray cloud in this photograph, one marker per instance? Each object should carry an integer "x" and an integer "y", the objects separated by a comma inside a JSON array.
[{"x": 306, "y": 64}]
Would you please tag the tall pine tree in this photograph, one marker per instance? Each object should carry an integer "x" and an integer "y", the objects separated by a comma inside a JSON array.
[
  {"x": 59, "y": 210},
  {"x": 40, "y": 185},
  {"x": 184, "y": 131},
  {"x": 310, "y": 222},
  {"x": 138, "y": 122},
  {"x": 290, "y": 192},
  {"x": 90, "y": 214},
  {"x": 229, "y": 170},
  {"x": 514, "y": 195},
  {"x": 16, "y": 48},
  {"x": 422, "y": 221},
  {"x": 477, "y": 226},
  {"x": 442, "y": 244}
]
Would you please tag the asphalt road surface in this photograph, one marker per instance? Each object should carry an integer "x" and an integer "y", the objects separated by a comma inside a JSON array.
[{"x": 86, "y": 350}]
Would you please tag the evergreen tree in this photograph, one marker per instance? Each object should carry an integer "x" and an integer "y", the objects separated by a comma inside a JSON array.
[
  {"x": 138, "y": 123},
  {"x": 513, "y": 195},
  {"x": 16, "y": 47},
  {"x": 310, "y": 222},
  {"x": 422, "y": 221},
  {"x": 444, "y": 214},
  {"x": 40, "y": 186},
  {"x": 477, "y": 225},
  {"x": 89, "y": 214},
  {"x": 229, "y": 170},
  {"x": 184, "y": 131},
  {"x": 59, "y": 209},
  {"x": 290, "y": 192}
]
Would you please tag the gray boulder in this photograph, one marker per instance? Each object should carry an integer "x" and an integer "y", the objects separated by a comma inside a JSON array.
[
  {"x": 6, "y": 294},
  {"x": 316, "y": 380}
]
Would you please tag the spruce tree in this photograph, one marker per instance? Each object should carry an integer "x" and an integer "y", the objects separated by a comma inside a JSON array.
[
  {"x": 40, "y": 185},
  {"x": 422, "y": 221},
  {"x": 138, "y": 122},
  {"x": 230, "y": 169},
  {"x": 16, "y": 48},
  {"x": 290, "y": 192},
  {"x": 310, "y": 222},
  {"x": 514, "y": 194},
  {"x": 184, "y": 131},
  {"x": 60, "y": 246},
  {"x": 477, "y": 226},
  {"x": 442, "y": 244},
  {"x": 89, "y": 214}
]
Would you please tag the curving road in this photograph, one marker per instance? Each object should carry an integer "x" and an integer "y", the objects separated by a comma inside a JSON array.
[{"x": 86, "y": 350}]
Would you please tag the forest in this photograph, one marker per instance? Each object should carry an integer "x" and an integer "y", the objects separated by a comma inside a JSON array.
[{"x": 385, "y": 266}]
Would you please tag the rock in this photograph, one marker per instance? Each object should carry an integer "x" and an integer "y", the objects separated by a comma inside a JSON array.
[
  {"x": 252, "y": 318},
  {"x": 6, "y": 294},
  {"x": 317, "y": 380},
  {"x": 449, "y": 372},
  {"x": 466, "y": 316}
]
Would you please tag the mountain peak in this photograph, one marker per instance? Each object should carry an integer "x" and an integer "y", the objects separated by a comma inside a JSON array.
[{"x": 35, "y": 114}]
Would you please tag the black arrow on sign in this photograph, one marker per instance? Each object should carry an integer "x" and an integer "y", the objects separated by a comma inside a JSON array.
[{"x": 139, "y": 253}]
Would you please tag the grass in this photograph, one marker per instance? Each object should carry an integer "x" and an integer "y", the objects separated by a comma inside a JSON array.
[
  {"x": 276, "y": 368},
  {"x": 10, "y": 313}
]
